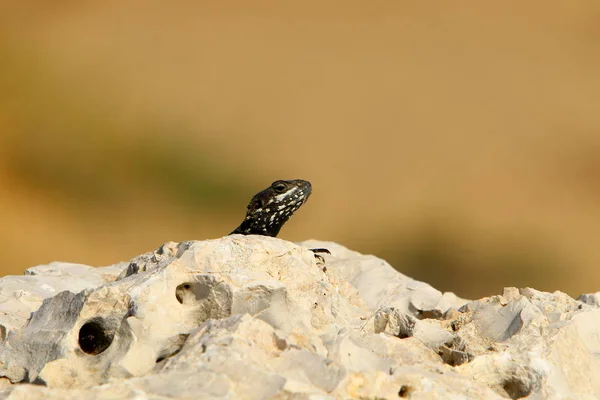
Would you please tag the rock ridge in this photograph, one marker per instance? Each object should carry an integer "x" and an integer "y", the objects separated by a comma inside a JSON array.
[{"x": 255, "y": 317}]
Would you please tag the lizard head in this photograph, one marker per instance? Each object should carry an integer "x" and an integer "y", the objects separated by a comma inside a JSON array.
[{"x": 270, "y": 209}]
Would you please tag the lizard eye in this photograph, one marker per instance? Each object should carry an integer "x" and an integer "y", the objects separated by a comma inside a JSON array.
[{"x": 279, "y": 188}]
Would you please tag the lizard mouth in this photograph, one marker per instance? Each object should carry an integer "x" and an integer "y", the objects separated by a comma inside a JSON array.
[
  {"x": 302, "y": 197},
  {"x": 304, "y": 192}
]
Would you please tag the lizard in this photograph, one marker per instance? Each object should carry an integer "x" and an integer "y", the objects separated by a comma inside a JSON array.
[{"x": 272, "y": 207}]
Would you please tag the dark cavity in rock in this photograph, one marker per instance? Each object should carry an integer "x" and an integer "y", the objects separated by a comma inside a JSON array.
[{"x": 95, "y": 337}]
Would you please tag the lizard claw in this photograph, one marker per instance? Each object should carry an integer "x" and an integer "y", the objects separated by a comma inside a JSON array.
[
  {"x": 320, "y": 258},
  {"x": 320, "y": 251}
]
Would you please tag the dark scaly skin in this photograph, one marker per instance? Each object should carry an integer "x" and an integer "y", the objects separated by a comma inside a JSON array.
[{"x": 271, "y": 208}]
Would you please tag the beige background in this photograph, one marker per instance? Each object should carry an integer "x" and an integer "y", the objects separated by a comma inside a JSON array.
[{"x": 458, "y": 140}]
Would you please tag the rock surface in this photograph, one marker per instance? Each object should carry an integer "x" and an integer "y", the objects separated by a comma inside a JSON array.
[{"x": 248, "y": 317}]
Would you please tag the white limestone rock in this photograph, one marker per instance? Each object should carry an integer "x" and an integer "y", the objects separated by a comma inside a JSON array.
[
  {"x": 253, "y": 317},
  {"x": 22, "y": 295}
]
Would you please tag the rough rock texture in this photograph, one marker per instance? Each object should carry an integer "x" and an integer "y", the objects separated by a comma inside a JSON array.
[{"x": 249, "y": 317}]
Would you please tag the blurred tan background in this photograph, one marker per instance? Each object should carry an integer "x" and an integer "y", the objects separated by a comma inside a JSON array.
[{"x": 458, "y": 140}]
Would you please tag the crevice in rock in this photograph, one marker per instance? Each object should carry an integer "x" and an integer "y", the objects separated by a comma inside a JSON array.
[
  {"x": 516, "y": 388},
  {"x": 455, "y": 353},
  {"x": 173, "y": 346},
  {"x": 405, "y": 391},
  {"x": 429, "y": 314}
]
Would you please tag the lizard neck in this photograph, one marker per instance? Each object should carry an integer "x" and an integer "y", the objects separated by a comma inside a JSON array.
[{"x": 250, "y": 227}]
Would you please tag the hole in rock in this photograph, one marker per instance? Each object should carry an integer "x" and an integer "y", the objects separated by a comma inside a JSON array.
[
  {"x": 516, "y": 388},
  {"x": 404, "y": 391},
  {"x": 95, "y": 336},
  {"x": 182, "y": 291},
  {"x": 205, "y": 298}
]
